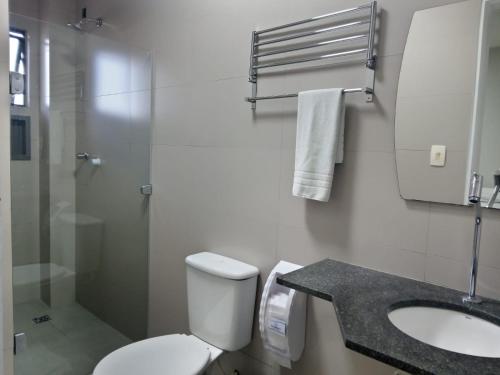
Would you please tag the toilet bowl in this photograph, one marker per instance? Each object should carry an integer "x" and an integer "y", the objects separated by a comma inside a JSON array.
[
  {"x": 164, "y": 355},
  {"x": 221, "y": 300}
]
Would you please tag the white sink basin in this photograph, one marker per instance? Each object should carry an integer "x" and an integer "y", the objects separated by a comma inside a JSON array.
[{"x": 449, "y": 330}]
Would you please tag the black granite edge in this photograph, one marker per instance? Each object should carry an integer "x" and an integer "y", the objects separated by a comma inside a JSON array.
[
  {"x": 301, "y": 288},
  {"x": 335, "y": 282},
  {"x": 387, "y": 359},
  {"x": 477, "y": 310},
  {"x": 379, "y": 355}
]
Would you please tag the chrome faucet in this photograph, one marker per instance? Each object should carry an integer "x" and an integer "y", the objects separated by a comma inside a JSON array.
[
  {"x": 475, "y": 187},
  {"x": 496, "y": 180}
]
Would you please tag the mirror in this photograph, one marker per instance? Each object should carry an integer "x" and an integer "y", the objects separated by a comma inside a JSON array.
[
  {"x": 448, "y": 103},
  {"x": 485, "y": 152}
]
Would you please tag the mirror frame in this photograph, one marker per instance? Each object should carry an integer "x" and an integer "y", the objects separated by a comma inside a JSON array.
[{"x": 487, "y": 8}]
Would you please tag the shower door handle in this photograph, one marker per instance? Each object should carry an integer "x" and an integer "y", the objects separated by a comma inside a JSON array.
[{"x": 83, "y": 156}]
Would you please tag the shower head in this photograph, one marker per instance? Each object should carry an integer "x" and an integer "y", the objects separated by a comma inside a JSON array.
[
  {"x": 84, "y": 21},
  {"x": 75, "y": 26},
  {"x": 80, "y": 25}
]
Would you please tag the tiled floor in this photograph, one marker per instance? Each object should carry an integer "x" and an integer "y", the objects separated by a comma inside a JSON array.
[{"x": 70, "y": 344}]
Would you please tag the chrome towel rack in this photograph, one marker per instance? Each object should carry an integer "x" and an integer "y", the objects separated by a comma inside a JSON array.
[{"x": 274, "y": 42}]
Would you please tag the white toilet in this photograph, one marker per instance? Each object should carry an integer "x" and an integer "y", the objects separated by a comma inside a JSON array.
[{"x": 221, "y": 300}]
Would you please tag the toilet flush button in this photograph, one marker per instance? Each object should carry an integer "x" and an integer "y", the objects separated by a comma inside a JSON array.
[{"x": 438, "y": 155}]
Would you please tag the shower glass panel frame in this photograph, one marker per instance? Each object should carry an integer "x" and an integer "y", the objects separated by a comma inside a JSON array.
[{"x": 80, "y": 226}]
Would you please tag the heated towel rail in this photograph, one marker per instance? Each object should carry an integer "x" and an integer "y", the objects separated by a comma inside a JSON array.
[{"x": 275, "y": 42}]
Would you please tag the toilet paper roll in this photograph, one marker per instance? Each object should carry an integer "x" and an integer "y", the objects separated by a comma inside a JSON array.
[
  {"x": 279, "y": 301},
  {"x": 278, "y": 306}
]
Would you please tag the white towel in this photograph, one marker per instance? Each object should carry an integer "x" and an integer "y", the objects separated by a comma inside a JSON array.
[{"x": 320, "y": 142}]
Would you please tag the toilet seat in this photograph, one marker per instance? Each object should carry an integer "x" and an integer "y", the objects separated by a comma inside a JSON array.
[{"x": 164, "y": 355}]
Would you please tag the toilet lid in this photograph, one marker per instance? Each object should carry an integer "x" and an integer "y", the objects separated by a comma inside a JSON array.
[{"x": 163, "y": 355}]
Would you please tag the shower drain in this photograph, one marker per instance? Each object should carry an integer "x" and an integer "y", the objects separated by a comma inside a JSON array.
[{"x": 41, "y": 319}]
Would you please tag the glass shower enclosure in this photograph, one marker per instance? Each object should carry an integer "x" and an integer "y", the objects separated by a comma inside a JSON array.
[{"x": 80, "y": 136}]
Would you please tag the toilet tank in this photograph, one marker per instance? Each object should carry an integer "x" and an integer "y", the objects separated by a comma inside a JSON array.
[{"x": 221, "y": 299}]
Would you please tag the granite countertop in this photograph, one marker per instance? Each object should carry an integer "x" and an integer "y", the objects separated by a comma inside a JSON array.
[{"x": 362, "y": 298}]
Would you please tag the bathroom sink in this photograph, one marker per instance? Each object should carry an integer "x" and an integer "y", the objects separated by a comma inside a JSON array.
[{"x": 449, "y": 330}]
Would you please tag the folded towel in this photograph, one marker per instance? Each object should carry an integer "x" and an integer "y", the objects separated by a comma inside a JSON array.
[{"x": 320, "y": 142}]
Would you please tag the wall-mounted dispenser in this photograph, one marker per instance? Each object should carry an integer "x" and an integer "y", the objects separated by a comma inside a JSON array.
[
  {"x": 282, "y": 317},
  {"x": 16, "y": 83},
  {"x": 96, "y": 162}
]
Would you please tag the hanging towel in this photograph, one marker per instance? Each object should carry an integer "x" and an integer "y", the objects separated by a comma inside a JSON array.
[{"x": 320, "y": 142}]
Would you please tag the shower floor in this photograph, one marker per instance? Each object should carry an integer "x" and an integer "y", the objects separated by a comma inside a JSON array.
[{"x": 71, "y": 343}]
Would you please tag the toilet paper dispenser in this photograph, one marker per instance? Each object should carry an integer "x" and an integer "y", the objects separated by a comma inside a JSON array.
[{"x": 282, "y": 317}]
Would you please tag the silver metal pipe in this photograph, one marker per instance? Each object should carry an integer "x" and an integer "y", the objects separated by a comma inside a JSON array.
[
  {"x": 370, "y": 59},
  {"x": 475, "y": 187},
  {"x": 315, "y": 32},
  {"x": 365, "y": 90},
  {"x": 317, "y": 18},
  {"x": 307, "y": 59},
  {"x": 471, "y": 297},
  {"x": 255, "y": 98},
  {"x": 313, "y": 45},
  {"x": 252, "y": 74}
]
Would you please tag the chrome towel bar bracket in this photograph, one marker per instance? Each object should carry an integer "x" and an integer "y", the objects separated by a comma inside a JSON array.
[
  {"x": 274, "y": 46},
  {"x": 366, "y": 90}
]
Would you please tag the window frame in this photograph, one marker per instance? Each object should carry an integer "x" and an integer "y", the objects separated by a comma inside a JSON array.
[
  {"x": 26, "y": 139},
  {"x": 25, "y": 44}
]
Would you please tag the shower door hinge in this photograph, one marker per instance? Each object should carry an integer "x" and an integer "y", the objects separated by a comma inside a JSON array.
[
  {"x": 20, "y": 343},
  {"x": 146, "y": 190}
]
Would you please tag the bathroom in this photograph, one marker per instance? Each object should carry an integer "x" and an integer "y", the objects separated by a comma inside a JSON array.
[{"x": 134, "y": 143}]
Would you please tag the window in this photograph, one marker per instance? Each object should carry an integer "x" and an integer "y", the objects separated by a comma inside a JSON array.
[
  {"x": 18, "y": 58},
  {"x": 20, "y": 140}
]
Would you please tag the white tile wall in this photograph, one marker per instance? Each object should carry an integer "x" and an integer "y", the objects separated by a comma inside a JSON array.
[
  {"x": 56, "y": 11},
  {"x": 222, "y": 175}
]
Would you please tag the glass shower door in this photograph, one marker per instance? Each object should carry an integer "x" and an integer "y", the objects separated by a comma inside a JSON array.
[{"x": 80, "y": 121}]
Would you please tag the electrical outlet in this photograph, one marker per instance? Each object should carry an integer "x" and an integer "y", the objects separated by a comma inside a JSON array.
[{"x": 438, "y": 155}]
